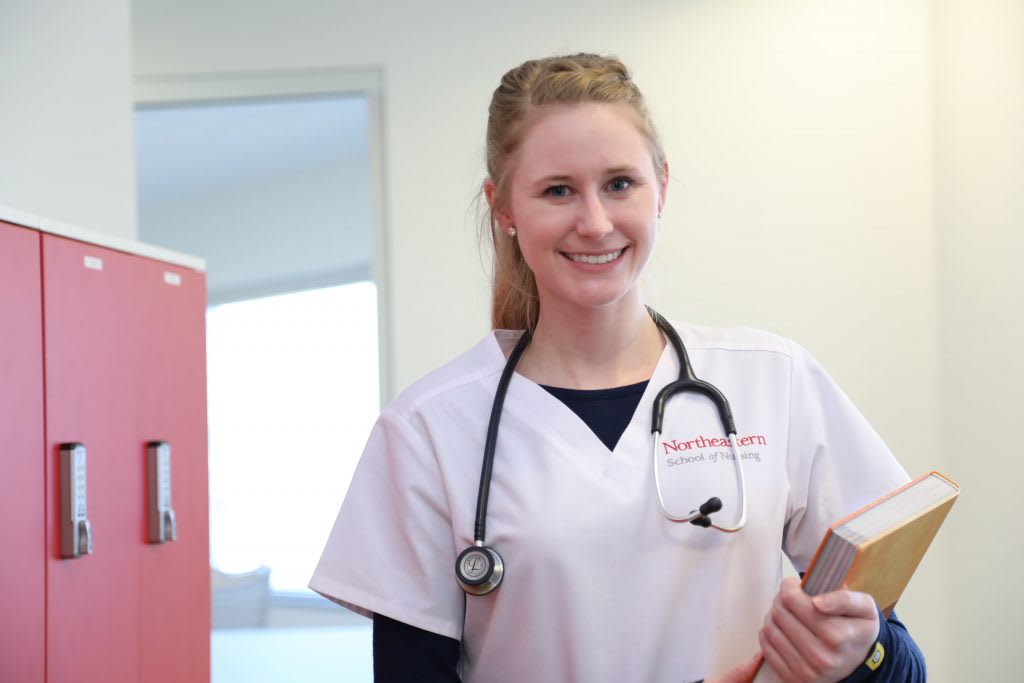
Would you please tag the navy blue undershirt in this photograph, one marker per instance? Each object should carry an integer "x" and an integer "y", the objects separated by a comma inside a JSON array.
[
  {"x": 403, "y": 653},
  {"x": 606, "y": 411}
]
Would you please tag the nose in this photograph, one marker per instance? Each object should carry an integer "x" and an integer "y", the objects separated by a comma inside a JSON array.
[{"x": 592, "y": 219}]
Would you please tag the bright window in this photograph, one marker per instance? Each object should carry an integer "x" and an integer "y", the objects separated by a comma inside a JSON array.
[{"x": 293, "y": 393}]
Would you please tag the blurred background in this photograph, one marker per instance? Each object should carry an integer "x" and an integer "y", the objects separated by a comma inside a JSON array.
[{"x": 847, "y": 173}]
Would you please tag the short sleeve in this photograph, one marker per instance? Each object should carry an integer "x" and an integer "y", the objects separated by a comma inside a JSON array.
[
  {"x": 391, "y": 550},
  {"x": 837, "y": 462}
]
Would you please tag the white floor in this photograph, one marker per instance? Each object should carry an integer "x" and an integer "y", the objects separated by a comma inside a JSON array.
[{"x": 339, "y": 654}]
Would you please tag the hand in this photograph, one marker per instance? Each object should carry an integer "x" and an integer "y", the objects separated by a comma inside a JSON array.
[
  {"x": 741, "y": 673},
  {"x": 819, "y": 639}
]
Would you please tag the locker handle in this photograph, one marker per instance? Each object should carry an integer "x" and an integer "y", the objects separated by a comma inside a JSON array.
[
  {"x": 170, "y": 526},
  {"x": 163, "y": 525},
  {"x": 85, "y": 537}
]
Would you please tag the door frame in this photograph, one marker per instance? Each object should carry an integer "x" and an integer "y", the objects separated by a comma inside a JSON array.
[{"x": 194, "y": 88}]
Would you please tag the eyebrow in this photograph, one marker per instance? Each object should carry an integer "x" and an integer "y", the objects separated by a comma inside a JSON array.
[{"x": 560, "y": 178}]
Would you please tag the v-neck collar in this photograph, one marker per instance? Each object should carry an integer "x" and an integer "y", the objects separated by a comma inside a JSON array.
[
  {"x": 606, "y": 411},
  {"x": 573, "y": 434}
]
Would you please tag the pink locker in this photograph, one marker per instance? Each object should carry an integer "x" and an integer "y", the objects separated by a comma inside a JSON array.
[
  {"x": 125, "y": 366},
  {"x": 174, "y": 577},
  {"x": 22, "y": 531},
  {"x": 92, "y": 607}
]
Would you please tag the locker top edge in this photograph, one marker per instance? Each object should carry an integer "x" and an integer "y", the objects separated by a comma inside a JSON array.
[{"x": 81, "y": 234}]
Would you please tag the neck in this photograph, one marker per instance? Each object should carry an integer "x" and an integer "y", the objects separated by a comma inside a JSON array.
[{"x": 612, "y": 346}]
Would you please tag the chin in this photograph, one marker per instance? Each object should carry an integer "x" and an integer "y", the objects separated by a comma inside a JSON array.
[{"x": 598, "y": 301}]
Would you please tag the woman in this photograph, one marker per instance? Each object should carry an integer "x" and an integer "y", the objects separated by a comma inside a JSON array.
[{"x": 596, "y": 584}]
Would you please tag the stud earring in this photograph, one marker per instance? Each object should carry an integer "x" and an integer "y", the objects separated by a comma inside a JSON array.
[{"x": 511, "y": 231}]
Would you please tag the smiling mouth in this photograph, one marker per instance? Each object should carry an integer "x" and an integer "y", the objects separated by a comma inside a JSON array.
[{"x": 595, "y": 259}]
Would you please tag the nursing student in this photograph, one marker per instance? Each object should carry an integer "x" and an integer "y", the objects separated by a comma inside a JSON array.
[{"x": 597, "y": 583}]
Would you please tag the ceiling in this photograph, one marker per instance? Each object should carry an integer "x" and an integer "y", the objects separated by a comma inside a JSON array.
[{"x": 199, "y": 148}]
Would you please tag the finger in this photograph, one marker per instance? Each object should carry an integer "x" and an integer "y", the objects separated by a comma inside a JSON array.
[
  {"x": 789, "y": 583},
  {"x": 846, "y": 603},
  {"x": 773, "y": 659},
  {"x": 792, "y": 597},
  {"x": 788, "y": 638},
  {"x": 816, "y": 638}
]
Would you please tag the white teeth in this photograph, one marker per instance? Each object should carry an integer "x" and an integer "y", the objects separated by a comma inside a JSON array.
[{"x": 600, "y": 258}]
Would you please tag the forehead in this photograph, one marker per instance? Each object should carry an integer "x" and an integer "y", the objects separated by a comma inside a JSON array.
[{"x": 585, "y": 134}]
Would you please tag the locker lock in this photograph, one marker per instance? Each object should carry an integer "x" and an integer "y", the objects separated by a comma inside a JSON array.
[{"x": 75, "y": 528}]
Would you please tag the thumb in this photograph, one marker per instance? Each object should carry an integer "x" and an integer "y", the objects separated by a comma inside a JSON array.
[{"x": 845, "y": 603}]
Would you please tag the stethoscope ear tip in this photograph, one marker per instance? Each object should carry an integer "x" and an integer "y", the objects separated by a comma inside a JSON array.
[{"x": 713, "y": 504}]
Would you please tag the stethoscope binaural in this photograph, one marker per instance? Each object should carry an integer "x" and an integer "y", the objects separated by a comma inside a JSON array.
[{"x": 479, "y": 569}]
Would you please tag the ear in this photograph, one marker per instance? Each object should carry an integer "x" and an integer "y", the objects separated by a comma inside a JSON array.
[
  {"x": 663, "y": 194},
  {"x": 490, "y": 189}
]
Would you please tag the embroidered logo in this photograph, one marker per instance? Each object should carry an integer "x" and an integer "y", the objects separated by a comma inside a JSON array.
[
  {"x": 707, "y": 442},
  {"x": 712, "y": 449}
]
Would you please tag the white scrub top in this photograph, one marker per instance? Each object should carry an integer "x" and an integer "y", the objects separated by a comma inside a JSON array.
[{"x": 599, "y": 585}]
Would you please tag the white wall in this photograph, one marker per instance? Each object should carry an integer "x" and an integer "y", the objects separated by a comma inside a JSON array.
[
  {"x": 979, "y": 209},
  {"x": 65, "y": 112}
]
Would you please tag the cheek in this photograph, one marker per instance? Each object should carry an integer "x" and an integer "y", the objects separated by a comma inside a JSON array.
[
  {"x": 540, "y": 230},
  {"x": 636, "y": 220},
  {"x": 537, "y": 217},
  {"x": 535, "y": 248}
]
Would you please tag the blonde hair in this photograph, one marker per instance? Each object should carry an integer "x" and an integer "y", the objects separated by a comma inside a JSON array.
[{"x": 568, "y": 79}]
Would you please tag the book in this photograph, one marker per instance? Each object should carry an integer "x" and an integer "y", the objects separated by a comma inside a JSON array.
[{"x": 876, "y": 549}]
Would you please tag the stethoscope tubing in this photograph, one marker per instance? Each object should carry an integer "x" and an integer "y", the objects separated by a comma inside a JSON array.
[
  {"x": 491, "y": 442},
  {"x": 479, "y": 569},
  {"x": 687, "y": 382},
  {"x": 694, "y": 514}
]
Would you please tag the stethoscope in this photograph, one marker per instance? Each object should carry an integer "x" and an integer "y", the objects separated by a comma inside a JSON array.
[{"x": 479, "y": 569}]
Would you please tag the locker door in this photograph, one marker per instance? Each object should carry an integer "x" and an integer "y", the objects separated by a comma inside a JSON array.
[
  {"x": 22, "y": 508},
  {"x": 174, "y": 577},
  {"x": 89, "y": 295}
]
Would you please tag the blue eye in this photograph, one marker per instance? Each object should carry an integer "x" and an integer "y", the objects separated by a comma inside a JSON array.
[
  {"x": 558, "y": 191},
  {"x": 620, "y": 184}
]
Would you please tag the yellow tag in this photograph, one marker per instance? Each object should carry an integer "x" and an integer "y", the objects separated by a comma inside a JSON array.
[{"x": 874, "y": 660}]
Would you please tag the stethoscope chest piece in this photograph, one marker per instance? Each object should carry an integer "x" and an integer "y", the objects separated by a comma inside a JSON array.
[{"x": 479, "y": 569}]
